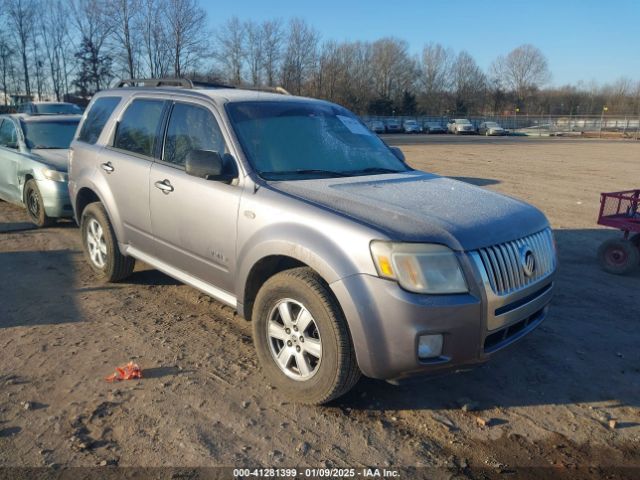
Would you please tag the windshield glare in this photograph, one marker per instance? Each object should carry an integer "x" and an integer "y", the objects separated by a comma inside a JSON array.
[
  {"x": 51, "y": 134},
  {"x": 300, "y": 140},
  {"x": 463, "y": 121}
]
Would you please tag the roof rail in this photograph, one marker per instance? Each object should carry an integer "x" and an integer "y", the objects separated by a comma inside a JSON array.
[
  {"x": 186, "y": 83},
  {"x": 278, "y": 89},
  {"x": 167, "y": 82}
]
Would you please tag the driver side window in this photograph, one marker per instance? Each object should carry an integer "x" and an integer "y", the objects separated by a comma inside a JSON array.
[
  {"x": 8, "y": 136},
  {"x": 191, "y": 127}
]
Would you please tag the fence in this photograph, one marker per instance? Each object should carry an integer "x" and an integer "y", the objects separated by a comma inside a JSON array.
[{"x": 542, "y": 125}]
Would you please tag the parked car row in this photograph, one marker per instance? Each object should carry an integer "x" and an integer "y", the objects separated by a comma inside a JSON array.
[{"x": 457, "y": 126}]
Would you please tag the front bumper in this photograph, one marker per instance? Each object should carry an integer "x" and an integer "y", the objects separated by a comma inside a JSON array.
[
  {"x": 385, "y": 322},
  {"x": 55, "y": 196}
]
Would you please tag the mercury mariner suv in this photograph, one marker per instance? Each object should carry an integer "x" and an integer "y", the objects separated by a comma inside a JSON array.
[{"x": 345, "y": 259}]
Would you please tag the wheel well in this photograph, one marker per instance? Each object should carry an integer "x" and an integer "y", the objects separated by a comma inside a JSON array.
[
  {"x": 85, "y": 197},
  {"x": 27, "y": 177},
  {"x": 261, "y": 272}
]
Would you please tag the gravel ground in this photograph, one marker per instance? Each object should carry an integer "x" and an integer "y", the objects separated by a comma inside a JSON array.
[{"x": 566, "y": 397}]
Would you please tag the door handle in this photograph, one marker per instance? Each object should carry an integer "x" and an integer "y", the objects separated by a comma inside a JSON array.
[
  {"x": 165, "y": 186},
  {"x": 107, "y": 167}
]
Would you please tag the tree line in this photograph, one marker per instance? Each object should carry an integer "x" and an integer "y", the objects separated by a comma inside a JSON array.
[{"x": 63, "y": 49}]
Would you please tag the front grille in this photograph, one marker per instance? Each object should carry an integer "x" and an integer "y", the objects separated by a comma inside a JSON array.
[{"x": 504, "y": 266}]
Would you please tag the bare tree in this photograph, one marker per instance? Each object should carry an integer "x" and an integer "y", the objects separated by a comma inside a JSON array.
[
  {"x": 435, "y": 76},
  {"x": 124, "y": 14},
  {"x": 6, "y": 65},
  {"x": 94, "y": 26},
  {"x": 272, "y": 43},
  {"x": 153, "y": 27},
  {"x": 21, "y": 16},
  {"x": 300, "y": 55},
  {"x": 187, "y": 33},
  {"x": 394, "y": 71},
  {"x": 230, "y": 49},
  {"x": 254, "y": 51},
  {"x": 469, "y": 84},
  {"x": 523, "y": 70},
  {"x": 53, "y": 24}
]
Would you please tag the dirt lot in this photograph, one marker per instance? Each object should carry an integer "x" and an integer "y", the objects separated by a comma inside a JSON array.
[{"x": 547, "y": 402}]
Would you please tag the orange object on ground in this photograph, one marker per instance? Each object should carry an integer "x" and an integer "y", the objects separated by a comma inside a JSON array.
[{"x": 129, "y": 372}]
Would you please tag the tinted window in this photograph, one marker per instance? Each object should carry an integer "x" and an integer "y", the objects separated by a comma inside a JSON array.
[
  {"x": 138, "y": 129},
  {"x": 49, "y": 134},
  {"x": 8, "y": 134},
  {"x": 97, "y": 118},
  {"x": 191, "y": 128},
  {"x": 57, "y": 108}
]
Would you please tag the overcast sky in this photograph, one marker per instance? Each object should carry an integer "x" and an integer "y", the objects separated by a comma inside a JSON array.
[{"x": 582, "y": 39}]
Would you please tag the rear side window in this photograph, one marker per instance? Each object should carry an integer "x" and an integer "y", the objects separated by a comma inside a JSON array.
[
  {"x": 138, "y": 130},
  {"x": 97, "y": 118},
  {"x": 8, "y": 136},
  {"x": 191, "y": 128}
]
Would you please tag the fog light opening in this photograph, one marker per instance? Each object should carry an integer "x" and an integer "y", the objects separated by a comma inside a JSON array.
[{"x": 429, "y": 346}]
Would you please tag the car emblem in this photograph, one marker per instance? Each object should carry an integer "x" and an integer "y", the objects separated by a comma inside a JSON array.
[{"x": 527, "y": 260}]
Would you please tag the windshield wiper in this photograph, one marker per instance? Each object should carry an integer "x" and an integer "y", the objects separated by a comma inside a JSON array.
[
  {"x": 365, "y": 171},
  {"x": 307, "y": 172}
]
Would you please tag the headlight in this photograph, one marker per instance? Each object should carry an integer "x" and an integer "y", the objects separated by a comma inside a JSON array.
[
  {"x": 420, "y": 268},
  {"x": 54, "y": 175}
]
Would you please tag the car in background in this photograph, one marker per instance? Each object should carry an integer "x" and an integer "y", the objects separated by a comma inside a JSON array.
[
  {"x": 434, "y": 127},
  {"x": 33, "y": 164},
  {"x": 491, "y": 128},
  {"x": 50, "y": 108},
  {"x": 411, "y": 126},
  {"x": 376, "y": 126},
  {"x": 461, "y": 125},
  {"x": 393, "y": 125}
]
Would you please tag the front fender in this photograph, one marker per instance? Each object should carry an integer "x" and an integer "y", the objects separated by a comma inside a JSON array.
[{"x": 300, "y": 242}]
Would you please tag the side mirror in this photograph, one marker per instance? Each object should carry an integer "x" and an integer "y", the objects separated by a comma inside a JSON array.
[
  {"x": 398, "y": 153},
  {"x": 210, "y": 165}
]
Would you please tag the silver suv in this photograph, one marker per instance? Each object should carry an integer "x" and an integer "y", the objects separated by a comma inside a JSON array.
[{"x": 291, "y": 211}]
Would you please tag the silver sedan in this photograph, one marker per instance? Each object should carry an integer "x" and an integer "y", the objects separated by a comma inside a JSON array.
[
  {"x": 491, "y": 128},
  {"x": 33, "y": 164}
]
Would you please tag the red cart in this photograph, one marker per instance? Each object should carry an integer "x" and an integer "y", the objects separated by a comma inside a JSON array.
[{"x": 620, "y": 210}]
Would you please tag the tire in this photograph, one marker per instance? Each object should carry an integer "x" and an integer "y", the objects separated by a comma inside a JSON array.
[
  {"x": 330, "y": 367},
  {"x": 101, "y": 246},
  {"x": 618, "y": 256},
  {"x": 35, "y": 205}
]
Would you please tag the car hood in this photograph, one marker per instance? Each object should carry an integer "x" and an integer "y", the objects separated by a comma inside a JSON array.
[
  {"x": 54, "y": 157},
  {"x": 421, "y": 207}
]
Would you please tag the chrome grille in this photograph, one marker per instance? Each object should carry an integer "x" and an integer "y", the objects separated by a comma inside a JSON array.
[{"x": 503, "y": 264}]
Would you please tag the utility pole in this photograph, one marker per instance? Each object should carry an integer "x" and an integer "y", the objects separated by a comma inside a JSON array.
[{"x": 604, "y": 109}]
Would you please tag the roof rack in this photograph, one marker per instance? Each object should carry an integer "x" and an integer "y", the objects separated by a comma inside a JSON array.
[{"x": 186, "y": 83}]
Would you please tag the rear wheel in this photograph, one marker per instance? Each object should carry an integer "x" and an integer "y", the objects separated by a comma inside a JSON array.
[
  {"x": 35, "y": 205},
  {"x": 301, "y": 338},
  {"x": 619, "y": 256},
  {"x": 101, "y": 246}
]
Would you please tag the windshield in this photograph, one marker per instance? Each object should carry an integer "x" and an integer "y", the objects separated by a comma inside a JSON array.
[
  {"x": 50, "y": 134},
  {"x": 295, "y": 140},
  {"x": 491, "y": 124},
  {"x": 57, "y": 108},
  {"x": 463, "y": 121},
  {"x": 410, "y": 122}
]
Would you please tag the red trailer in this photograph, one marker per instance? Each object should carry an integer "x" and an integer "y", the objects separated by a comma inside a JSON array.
[{"x": 620, "y": 210}]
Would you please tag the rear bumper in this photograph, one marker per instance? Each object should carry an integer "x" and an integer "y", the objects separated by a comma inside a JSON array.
[
  {"x": 385, "y": 322},
  {"x": 55, "y": 196}
]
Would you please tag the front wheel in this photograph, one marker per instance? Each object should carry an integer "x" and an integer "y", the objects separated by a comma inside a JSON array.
[
  {"x": 101, "y": 246},
  {"x": 35, "y": 205},
  {"x": 618, "y": 256},
  {"x": 301, "y": 338}
]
